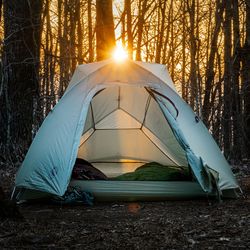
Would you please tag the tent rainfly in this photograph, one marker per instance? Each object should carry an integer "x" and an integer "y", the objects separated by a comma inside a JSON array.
[{"x": 119, "y": 116}]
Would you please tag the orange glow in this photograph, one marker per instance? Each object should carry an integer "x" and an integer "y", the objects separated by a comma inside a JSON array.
[
  {"x": 120, "y": 54},
  {"x": 134, "y": 207}
]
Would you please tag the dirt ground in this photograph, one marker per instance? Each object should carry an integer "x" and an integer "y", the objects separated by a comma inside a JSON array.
[{"x": 198, "y": 224}]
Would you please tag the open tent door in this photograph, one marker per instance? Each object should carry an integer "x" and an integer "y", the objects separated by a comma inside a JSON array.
[{"x": 125, "y": 128}]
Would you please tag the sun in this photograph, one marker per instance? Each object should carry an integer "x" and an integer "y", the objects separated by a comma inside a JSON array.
[{"x": 119, "y": 53}]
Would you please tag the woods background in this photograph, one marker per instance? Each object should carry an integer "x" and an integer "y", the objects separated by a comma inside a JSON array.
[{"x": 204, "y": 44}]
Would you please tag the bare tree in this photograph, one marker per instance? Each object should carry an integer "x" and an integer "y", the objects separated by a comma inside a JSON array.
[
  {"x": 161, "y": 17},
  {"x": 236, "y": 103},
  {"x": 141, "y": 20},
  {"x": 227, "y": 110},
  {"x": 246, "y": 82},
  {"x": 127, "y": 8},
  {"x": 90, "y": 33},
  {"x": 22, "y": 32},
  {"x": 210, "y": 70},
  {"x": 193, "y": 50},
  {"x": 105, "y": 35}
]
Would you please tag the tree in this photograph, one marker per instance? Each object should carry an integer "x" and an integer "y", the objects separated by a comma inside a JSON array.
[
  {"x": 90, "y": 33},
  {"x": 227, "y": 110},
  {"x": 193, "y": 51},
  {"x": 210, "y": 70},
  {"x": 141, "y": 20},
  {"x": 246, "y": 82},
  {"x": 236, "y": 103},
  {"x": 127, "y": 9},
  {"x": 105, "y": 34},
  {"x": 22, "y": 33}
]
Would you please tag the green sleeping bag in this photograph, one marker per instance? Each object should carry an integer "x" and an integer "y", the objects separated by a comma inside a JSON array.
[{"x": 154, "y": 171}]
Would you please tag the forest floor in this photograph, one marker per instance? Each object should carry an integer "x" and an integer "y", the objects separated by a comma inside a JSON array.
[{"x": 198, "y": 224}]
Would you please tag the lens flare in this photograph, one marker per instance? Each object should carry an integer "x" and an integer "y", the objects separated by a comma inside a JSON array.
[{"x": 120, "y": 54}]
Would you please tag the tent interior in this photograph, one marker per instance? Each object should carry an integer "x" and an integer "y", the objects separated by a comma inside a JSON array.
[{"x": 126, "y": 128}]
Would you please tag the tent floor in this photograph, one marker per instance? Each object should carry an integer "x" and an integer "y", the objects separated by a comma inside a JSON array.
[
  {"x": 140, "y": 190},
  {"x": 129, "y": 190}
]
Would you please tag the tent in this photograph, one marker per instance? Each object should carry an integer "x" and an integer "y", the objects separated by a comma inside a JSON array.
[{"x": 119, "y": 116}]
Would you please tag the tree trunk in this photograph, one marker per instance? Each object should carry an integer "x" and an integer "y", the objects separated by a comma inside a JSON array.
[
  {"x": 227, "y": 111},
  {"x": 162, "y": 9},
  {"x": 210, "y": 71},
  {"x": 183, "y": 68},
  {"x": 141, "y": 20},
  {"x": 236, "y": 105},
  {"x": 90, "y": 33},
  {"x": 166, "y": 54},
  {"x": 246, "y": 83},
  {"x": 127, "y": 7},
  {"x": 22, "y": 32},
  {"x": 79, "y": 32},
  {"x": 1, "y": 4},
  {"x": 193, "y": 50},
  {"x": 105, "y": 34},
  {"x": 72, "y": 36}
]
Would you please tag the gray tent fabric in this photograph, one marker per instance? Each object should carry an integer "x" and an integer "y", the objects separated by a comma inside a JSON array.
[
  {"x": 196, "y": 163},
  {"x": 121, "y": 113}
]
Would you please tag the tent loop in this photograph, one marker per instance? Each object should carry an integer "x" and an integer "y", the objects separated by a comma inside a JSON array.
[
  {"x": 197, "y": 119},
  {"x": 98, "y": 92},
  {"x": 165, "y": 97}
]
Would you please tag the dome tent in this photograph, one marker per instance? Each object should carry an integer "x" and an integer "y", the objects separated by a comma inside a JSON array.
[{"x": 121, "y": 115}]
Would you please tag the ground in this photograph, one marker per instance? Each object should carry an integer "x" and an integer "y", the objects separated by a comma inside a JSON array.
[{"x": 198, "y": 224}]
